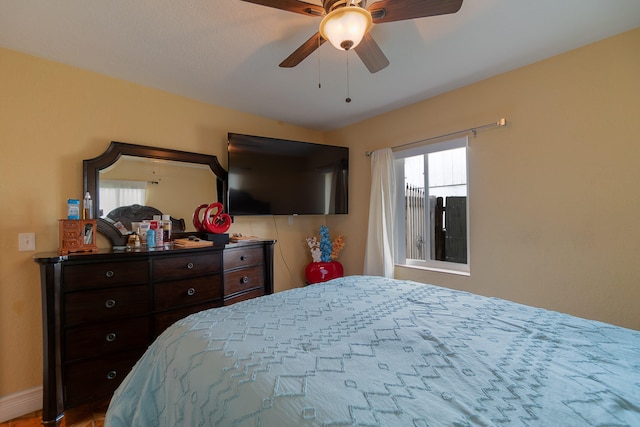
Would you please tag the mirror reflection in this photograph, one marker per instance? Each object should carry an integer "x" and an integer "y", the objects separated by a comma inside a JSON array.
[
  {"x": 142, "y": 181},
  {"x": 171, "y": 187}
]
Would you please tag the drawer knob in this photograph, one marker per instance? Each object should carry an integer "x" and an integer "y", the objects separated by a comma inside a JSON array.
[
  {"x": 109, "y": 274},
  {"x": 191, "y": 291},
  {"x": 190, "y": 265},
  {"x": 111, "y": 375},
  {"x": 110, "y": 303},
  {"x": 111, "y": 337},
  {"x": 243, "y": 258},
  {"x": 245, "y": 279}
]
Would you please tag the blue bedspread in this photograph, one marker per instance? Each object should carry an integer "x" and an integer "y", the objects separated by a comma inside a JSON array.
[{"x": 369, "y": 351}]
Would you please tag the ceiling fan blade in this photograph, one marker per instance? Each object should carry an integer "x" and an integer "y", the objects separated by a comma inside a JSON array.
[
  {"x": 306, "y": 49},
  {"x": 291, "y": 6},
  {"x": 371, "y": 54},
  {"x": 400, "y": 10}
]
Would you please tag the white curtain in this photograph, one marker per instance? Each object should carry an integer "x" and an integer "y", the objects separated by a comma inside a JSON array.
[
  {"x": 116, "y": 193},
  {"x": 379, "y": 256}
]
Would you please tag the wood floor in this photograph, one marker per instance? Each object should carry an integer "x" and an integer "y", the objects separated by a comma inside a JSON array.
[{"x": 91, "y": 415}]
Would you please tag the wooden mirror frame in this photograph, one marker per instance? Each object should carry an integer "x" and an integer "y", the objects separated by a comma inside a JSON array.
[{"x": 92, "y": 168}]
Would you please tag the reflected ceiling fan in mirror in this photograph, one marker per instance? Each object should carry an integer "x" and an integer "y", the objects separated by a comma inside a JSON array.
[{"x": 346, "y": 24}]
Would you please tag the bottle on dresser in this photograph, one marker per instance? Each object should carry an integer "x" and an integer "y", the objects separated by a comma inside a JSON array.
[
  {"x": 151, "y": 237},
  {"x": 87, "y": 206},
  {"x": 166, "y": 228},
  {"x": 156, "y": 226}
]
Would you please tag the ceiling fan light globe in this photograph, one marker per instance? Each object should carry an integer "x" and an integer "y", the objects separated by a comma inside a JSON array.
[{"x": 345, "y": 27}]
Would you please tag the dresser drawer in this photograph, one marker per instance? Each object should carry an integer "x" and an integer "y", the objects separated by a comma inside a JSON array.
[
  {"x": 244, "y": 279},
  {"x": 255, "y": 293},
  {"x": 70, "y": 229},
  {"x": 81, "y": 276},
  {"x": 106, "y": 304},
  {"x": 243, "y": 257},
  {"x": 111, "y": 337},
  {"x": 178, "y": 293},
  {"x": 168, "y": 318},
  {"x": 186, "y": 266},
  {"x": 97, "y": 378}
]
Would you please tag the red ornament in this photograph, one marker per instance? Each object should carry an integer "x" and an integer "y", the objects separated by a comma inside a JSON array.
[
  {"x": 197, "y": 222},
  {"x": 318, "y": 272},
  {"x": 215, "y": 220}
]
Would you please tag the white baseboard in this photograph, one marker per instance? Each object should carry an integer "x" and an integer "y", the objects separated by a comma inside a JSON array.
[{"x": 21, "y": 403}]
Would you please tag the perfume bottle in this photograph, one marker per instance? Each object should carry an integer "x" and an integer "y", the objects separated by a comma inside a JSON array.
[{"x": 87, "y": 206}]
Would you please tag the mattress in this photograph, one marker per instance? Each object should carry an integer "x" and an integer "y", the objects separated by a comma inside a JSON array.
[{"x": 371, "y": 351}]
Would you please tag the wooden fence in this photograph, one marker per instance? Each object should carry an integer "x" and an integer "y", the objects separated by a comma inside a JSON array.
[{"x": 449, "y": 219}]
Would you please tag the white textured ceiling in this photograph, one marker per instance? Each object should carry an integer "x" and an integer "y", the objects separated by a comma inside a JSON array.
[{"x": 226, "y": 52}]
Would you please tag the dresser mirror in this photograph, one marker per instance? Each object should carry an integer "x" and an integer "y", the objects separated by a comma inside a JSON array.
[{"x": 130, "y": 182}]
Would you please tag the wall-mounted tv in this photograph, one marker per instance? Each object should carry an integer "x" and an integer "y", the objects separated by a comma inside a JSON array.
[{"x": 269, "y": 176}]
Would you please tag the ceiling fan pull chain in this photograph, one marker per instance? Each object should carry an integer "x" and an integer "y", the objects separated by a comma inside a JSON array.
[
  {"x": 348, "y": 100},
  {"x": 319, "y": 77}
]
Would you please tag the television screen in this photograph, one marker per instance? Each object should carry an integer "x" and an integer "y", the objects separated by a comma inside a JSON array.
[{"x": 269, "y": 176}]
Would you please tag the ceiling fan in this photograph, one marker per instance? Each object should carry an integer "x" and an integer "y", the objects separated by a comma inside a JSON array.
[{"x": 346, "y": 24}]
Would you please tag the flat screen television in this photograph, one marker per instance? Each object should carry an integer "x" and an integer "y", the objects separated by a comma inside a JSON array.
[{"x": 269, "y": 176}]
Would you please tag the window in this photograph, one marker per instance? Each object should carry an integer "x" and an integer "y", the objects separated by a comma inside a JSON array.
[
  {"x": 432, "y": 220},
  {"x": 116, "y": 193}
]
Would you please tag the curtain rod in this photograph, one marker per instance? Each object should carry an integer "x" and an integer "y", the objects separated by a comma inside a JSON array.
[{"x": 501, "y": 122}]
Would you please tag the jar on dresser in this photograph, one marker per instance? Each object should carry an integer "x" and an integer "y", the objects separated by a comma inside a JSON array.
[{"x": 100, "y": 311}]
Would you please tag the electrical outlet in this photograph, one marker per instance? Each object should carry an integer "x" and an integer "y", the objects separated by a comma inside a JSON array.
[{"x": 26, "y": 242}]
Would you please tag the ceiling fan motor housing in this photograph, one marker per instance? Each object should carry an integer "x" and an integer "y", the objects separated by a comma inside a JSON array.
[{"x": 330, "y": 5}]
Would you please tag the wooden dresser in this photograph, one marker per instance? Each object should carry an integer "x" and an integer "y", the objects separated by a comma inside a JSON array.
[{"x": 100, "y": 311}]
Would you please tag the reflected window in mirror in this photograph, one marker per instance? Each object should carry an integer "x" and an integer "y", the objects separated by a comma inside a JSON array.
[{"x": 115, "y": 193}]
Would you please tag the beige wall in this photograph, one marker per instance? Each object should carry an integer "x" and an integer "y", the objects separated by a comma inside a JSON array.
[{"x": 554, "y": 197}]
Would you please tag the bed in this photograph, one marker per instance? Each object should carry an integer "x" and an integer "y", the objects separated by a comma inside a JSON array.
[{"x": 370, "y": 351}]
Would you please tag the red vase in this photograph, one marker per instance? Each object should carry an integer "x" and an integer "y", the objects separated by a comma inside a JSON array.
[{"x": 318, "y": 272}]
